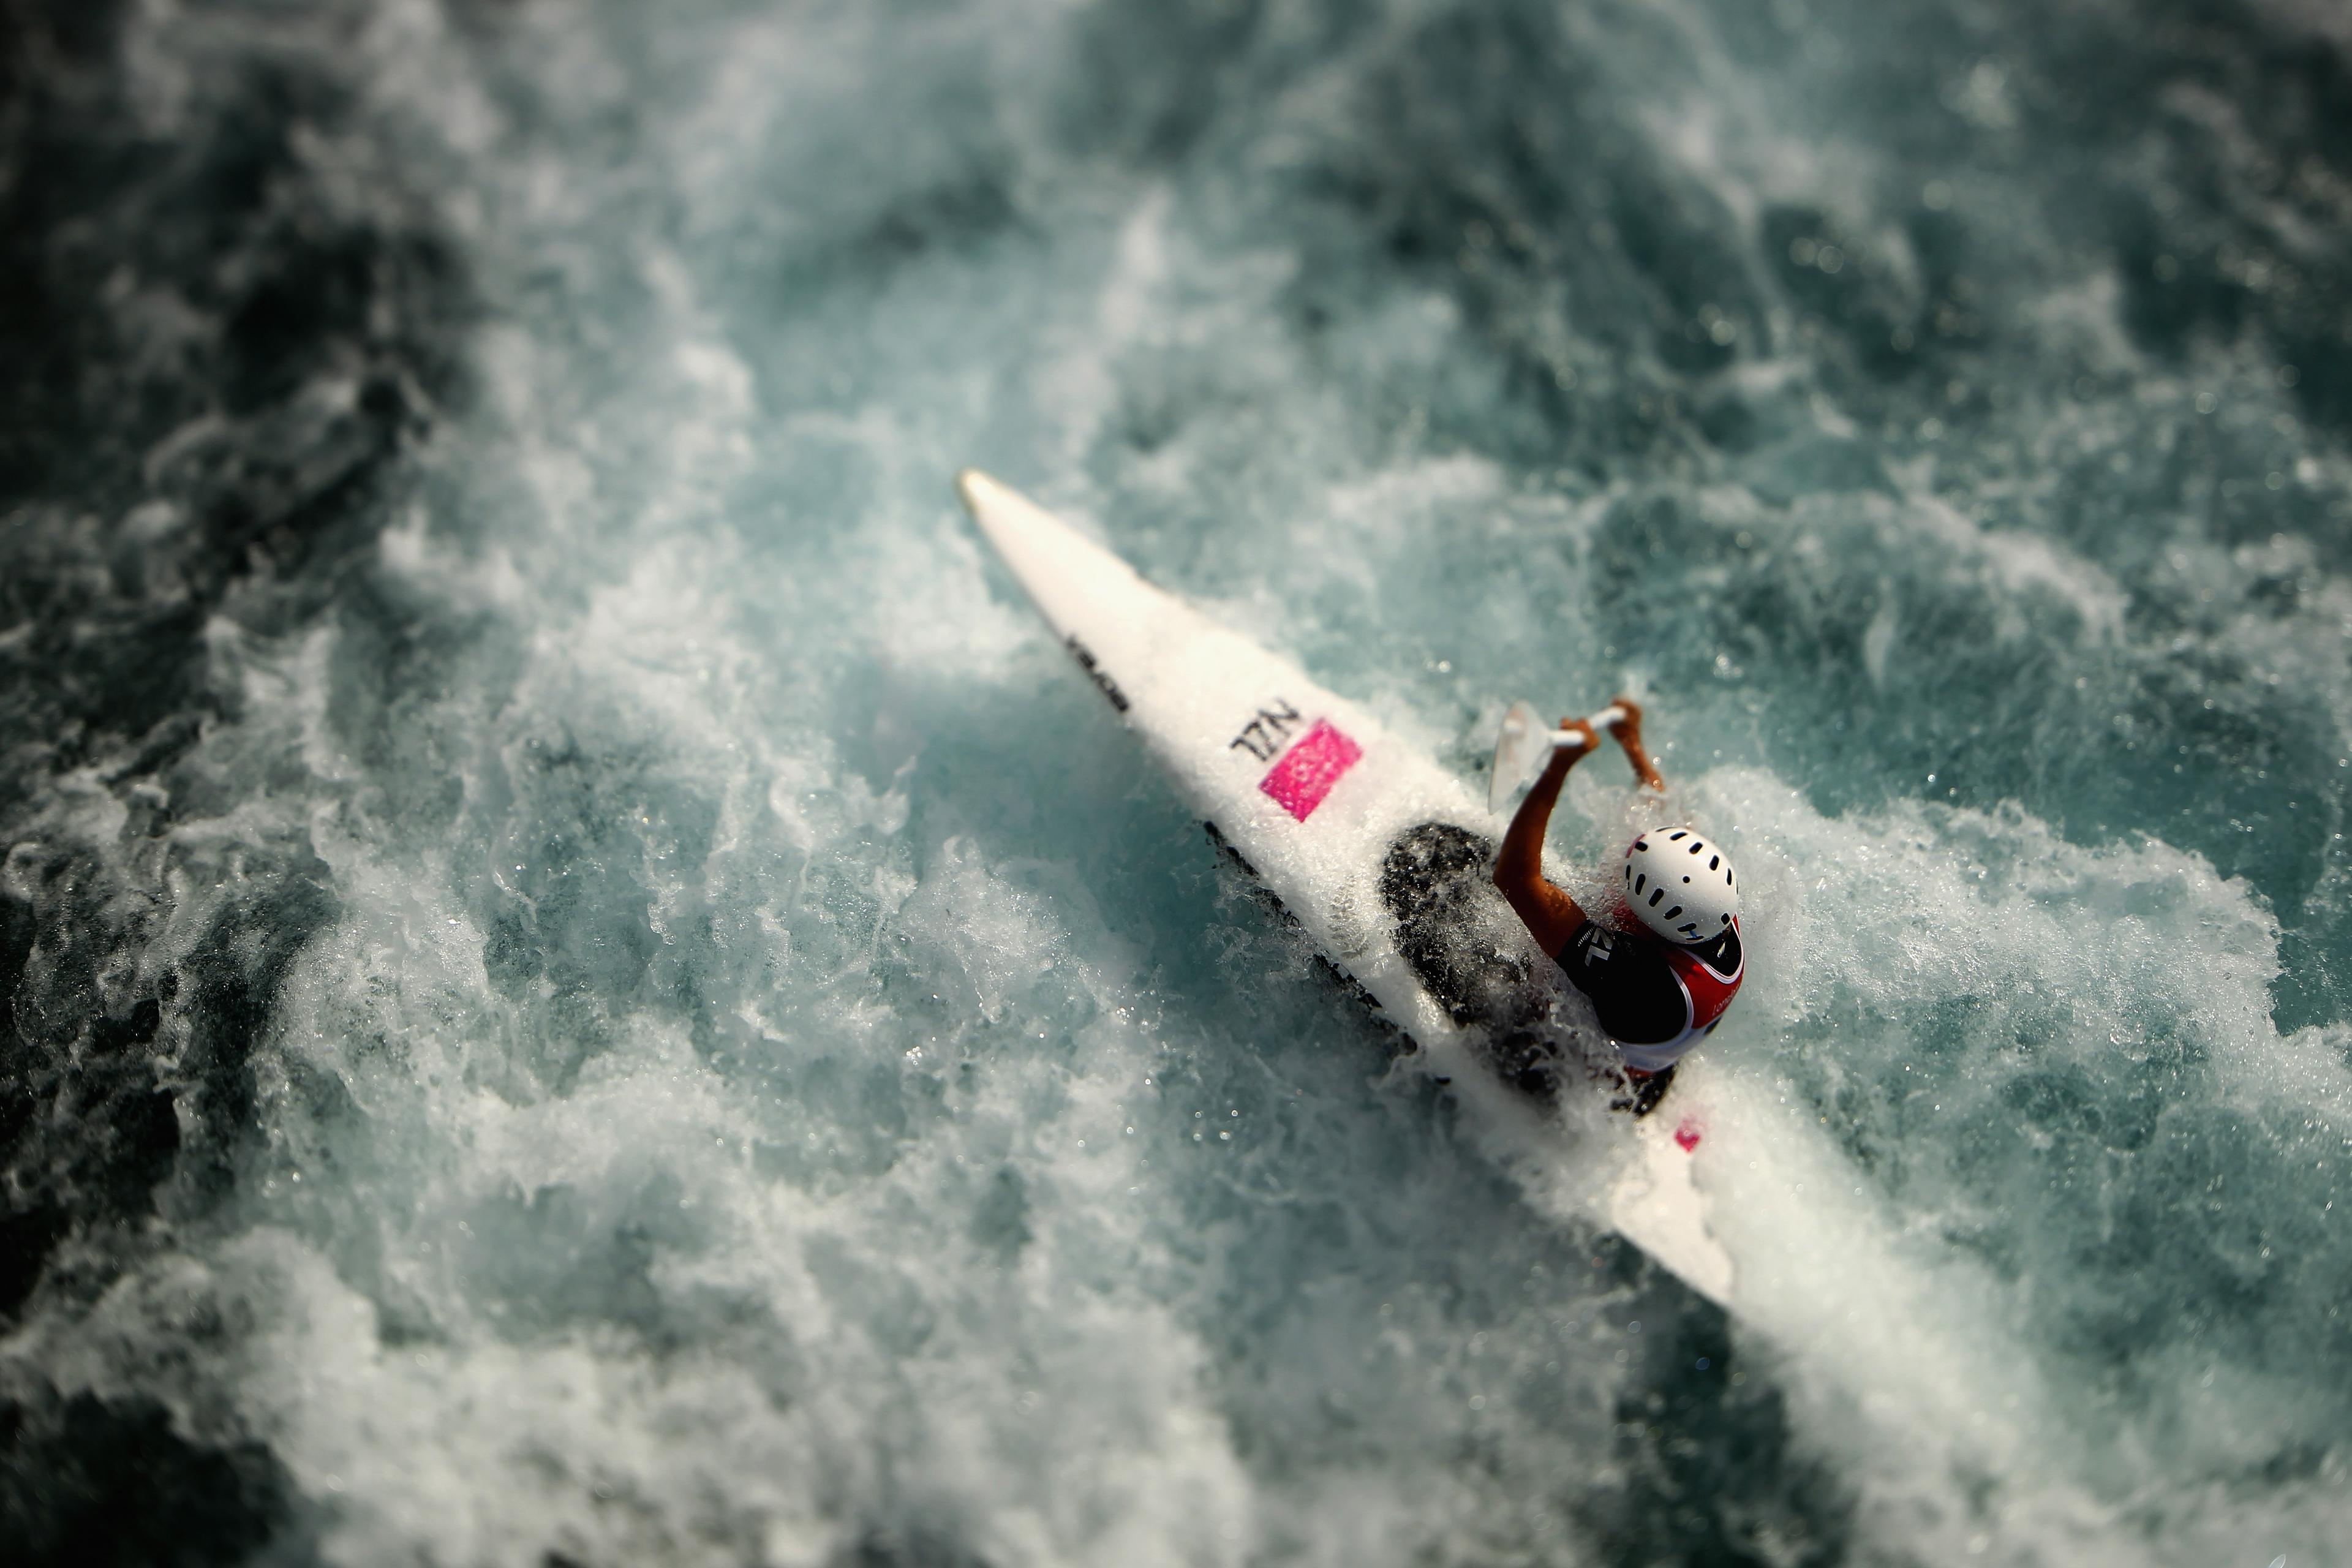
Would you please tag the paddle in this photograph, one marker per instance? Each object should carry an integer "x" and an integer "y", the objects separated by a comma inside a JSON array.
[{"x": 1527, "y": 743}]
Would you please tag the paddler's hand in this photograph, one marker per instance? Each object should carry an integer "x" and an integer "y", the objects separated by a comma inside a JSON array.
[
  {"x": 1628, "y": 731},
  {"x": 1565, "y": 753}
]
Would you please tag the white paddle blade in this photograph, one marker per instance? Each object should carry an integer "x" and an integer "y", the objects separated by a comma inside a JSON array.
[
  {"x": 1522, "y": 748},
  {"x": 1527, "y": 741}
]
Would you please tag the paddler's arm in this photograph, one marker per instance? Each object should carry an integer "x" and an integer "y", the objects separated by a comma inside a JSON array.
[
  {"x": 1550, "y": 914},
  {"x": 1628, "y": 731}
]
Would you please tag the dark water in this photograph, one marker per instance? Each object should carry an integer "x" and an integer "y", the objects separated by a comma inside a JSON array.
[{"x": 579, "y": 983}]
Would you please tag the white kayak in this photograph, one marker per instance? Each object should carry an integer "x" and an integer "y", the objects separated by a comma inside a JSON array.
[{"x": 1381, "y": 855}]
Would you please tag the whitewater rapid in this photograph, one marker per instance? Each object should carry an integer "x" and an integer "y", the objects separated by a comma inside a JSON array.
[{"x": 585, "y": 985}]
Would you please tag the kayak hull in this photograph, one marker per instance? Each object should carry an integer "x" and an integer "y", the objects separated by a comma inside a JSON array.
[{"x": 1382, "y": 856}]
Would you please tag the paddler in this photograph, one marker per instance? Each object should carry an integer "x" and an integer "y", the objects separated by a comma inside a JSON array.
[{"x": 1662, "y": 965}]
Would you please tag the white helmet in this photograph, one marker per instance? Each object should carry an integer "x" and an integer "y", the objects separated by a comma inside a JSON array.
[{"x": 1680, "y": 886}]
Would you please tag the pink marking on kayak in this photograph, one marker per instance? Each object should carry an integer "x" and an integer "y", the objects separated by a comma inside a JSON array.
[
  {"x": 1687, "y": 1135},
  {"x": 1307, "y": 771}
]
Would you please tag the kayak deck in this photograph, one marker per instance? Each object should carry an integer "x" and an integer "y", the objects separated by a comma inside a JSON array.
[{"x": 1383, "y": 857}]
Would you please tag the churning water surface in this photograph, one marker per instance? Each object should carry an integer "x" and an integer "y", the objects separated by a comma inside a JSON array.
[{"x": 581, "y": 983}]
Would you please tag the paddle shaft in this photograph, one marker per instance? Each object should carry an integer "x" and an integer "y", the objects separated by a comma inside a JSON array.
[{"x": 1573, "y": 739}]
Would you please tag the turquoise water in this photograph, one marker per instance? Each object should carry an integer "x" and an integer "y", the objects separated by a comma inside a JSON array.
[{"x": 585, "y": 985}]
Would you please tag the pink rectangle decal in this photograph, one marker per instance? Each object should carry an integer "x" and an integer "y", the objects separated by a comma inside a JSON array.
[{"x": 1309, "y": 770}]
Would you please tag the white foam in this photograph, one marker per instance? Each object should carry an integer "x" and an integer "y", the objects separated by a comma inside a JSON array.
[
  {"x": 785, "y": 1205},
  {"x": 1924, "y": 1371}
]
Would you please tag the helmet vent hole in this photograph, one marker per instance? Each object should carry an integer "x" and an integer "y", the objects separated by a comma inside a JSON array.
[
  {"x": 1673, "y": 912},
  {"x": 1687, "y": 881},
  {"x": 1655, "y": 894},
  {"x": 1713, "y": 861},
  {"x": 1675, "y": 837},
  {"x": 1639, "y": 883}
]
